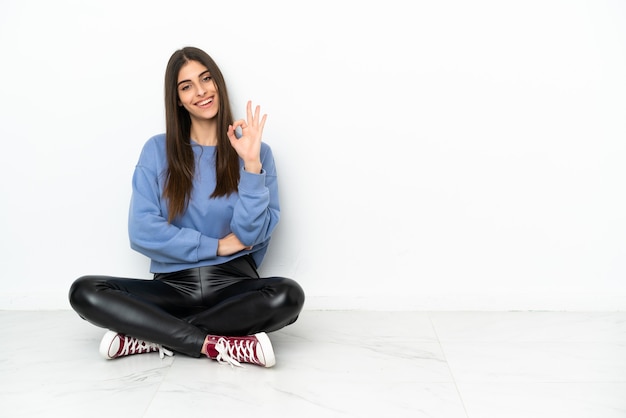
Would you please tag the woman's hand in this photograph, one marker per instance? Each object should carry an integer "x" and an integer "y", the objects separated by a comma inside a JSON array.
[
  {"x": 248, "y": 146},
  {"x": 229, "y": 245}
]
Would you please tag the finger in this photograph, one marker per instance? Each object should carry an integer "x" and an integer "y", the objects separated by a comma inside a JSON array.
[
  {"x": 253, "y": 119},
  {"x": 231, "y": 133},
  {"x": 239, "y": 124},
  {"x": 257, "y": 112},
  {"x": 249, "y": 111},
  {"x": 262, "y": 124}
]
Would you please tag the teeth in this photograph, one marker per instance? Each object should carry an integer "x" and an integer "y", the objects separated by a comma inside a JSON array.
[{"x": 207, "y": 101}]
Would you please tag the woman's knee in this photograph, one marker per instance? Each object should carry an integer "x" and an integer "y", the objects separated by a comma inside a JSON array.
[
  {"x": 292, "y": 294},
  {"x": 81, "y": 294}
]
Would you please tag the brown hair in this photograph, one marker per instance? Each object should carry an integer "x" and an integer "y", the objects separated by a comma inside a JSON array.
[{"x": 180, "y": 159}]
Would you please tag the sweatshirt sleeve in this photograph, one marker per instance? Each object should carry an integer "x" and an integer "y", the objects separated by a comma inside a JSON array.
[
  {"x": 257, "y": 211},
  {"x": 149, "y": 231}
]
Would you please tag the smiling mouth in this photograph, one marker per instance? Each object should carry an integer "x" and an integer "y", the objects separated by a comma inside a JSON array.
[{"x": 205, "y": 102}]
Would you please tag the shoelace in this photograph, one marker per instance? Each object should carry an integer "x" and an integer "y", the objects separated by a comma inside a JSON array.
[
  {"x": 235, "y": 352},
  {"x": 133, "y": 345}
]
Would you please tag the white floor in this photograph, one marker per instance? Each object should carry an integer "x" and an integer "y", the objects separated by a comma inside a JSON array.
[{"x": 332, "y": 364}]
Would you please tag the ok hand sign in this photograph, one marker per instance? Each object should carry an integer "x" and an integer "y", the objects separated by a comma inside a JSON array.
[{"x": 248, "y": 145}]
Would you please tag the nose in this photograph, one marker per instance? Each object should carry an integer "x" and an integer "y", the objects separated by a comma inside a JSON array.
[{"x": 201, "y": 91}]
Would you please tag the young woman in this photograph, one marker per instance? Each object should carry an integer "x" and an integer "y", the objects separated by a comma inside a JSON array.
[{"x": 203, "y": 208}]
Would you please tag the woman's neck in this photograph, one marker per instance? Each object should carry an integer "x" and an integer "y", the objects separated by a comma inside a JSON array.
[{"x": 204, "y": 133}]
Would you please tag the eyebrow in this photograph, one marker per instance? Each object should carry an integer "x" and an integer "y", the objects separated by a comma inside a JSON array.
[{"x": 189, "y": 81}]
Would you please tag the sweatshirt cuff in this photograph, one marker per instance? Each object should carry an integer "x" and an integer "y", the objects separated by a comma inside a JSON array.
[
  {"x": 251, "y": 182},
  {"x": 207, "y": 248}
]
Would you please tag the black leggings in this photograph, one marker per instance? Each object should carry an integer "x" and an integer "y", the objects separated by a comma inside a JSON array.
[{"x": 178, "y": 310}]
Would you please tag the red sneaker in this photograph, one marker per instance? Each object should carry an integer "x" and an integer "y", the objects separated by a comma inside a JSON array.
[
  {"x": 114, "y": 345},
  {"x": 255, "y": 349}
]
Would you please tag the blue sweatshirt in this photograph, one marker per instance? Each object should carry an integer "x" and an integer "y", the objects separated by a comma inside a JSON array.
[{"x": 191, "y": 239}]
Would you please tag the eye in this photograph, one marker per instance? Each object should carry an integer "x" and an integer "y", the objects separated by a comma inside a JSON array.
[
  {"x": 184, "y": 87},
  {"x": 206, "y": 78}
]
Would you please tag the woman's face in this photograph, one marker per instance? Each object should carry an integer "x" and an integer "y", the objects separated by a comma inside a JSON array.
[{"x": 197, "y": 92}]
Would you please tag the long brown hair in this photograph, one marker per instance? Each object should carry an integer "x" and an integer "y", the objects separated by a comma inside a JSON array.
[{"x": 180, "y": 159}]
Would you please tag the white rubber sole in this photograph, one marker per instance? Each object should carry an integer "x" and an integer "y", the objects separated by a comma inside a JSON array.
[{"x": 266, "y": 349}]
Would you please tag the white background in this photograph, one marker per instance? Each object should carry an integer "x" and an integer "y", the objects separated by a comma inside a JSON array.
[{"x": 431, "y": 154}]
